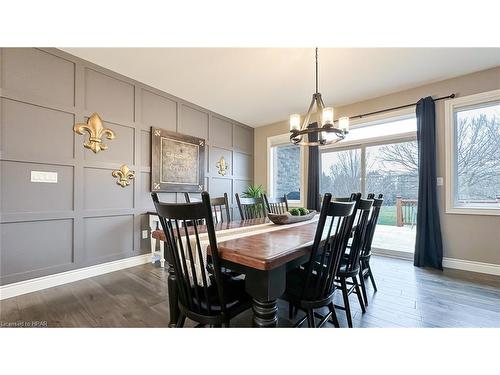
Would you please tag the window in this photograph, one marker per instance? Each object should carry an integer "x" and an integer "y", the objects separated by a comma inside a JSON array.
[
  {"x": 379, "y": 157},
  {"x": 473, "y": 154},
  {"x": 285, "y": 170}
]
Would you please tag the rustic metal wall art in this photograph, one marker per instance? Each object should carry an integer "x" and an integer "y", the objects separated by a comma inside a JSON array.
[
  {"x": 177, "y": 162},
  {"x": 97, "y": 131},
  {"x": 124, "y": 174},
  {"x": 222, "y": 166}
]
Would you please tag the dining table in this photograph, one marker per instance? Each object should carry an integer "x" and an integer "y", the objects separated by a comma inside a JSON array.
[{"x": 264, "y": 258}]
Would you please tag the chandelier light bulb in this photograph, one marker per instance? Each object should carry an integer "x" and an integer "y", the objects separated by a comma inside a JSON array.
[
  {"x": 344, "y": 124},
  {"x": 327, "y": 118},
  {"x": 294, "y": 122}
]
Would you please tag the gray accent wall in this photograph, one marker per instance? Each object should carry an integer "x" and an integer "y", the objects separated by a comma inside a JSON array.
[{"x": 86, "y": 218}]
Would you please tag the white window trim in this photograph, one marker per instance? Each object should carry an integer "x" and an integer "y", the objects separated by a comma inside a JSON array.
[
  {"x": 450, "y": 106},
  {"x": 283, "y": 139}
]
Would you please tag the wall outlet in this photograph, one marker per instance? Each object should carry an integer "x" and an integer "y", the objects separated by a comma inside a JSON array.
[
  {"x": 47, "y": 177},
  {"x": 145, "y": 234},
  {"x": 440, "y": 181}
]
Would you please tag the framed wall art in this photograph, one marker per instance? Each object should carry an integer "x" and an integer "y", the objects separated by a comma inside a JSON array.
[{"x": 177, "y": 162}]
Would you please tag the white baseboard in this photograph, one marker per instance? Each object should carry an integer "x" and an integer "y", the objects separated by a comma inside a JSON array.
[
  {"x": 469, "y": 265},
  {"x": 458, "y": 264},
  {"x": 32, "y": 285}
]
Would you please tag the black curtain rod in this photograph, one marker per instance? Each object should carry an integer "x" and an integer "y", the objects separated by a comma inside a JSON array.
[{"x": 451, "y": 96}]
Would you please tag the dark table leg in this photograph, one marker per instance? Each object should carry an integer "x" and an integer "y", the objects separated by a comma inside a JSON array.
[
  {"x": 265, "y": 314},
  {"x": 265, "y": 287}
]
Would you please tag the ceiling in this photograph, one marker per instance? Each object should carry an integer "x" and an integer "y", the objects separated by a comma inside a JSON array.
[{"x": 258, "y": 86}]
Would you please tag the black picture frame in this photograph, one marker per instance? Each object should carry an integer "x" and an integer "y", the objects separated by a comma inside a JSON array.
[{"x": 177, "y": 162}]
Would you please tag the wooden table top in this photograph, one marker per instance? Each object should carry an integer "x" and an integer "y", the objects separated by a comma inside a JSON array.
[{"x": 263, "y": 251}]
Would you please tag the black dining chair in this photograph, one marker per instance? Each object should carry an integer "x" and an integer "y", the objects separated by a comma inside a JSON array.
[
  {"x": 219, "y": 205},
  {"x": 312, "y": 286},
  {"x": 366, "y": 252},
  {"x": 276, "y": 205},
  {"x": 349, "y": 270},
  {"x": 209, "y": 298},
  {"x": 251, "y": 208}
]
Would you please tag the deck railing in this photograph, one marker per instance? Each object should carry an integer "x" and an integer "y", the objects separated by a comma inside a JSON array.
[{"x": 406, "y": 212}]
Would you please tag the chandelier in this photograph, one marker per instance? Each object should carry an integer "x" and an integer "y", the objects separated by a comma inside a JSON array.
[{"x": 314, "y": 134}]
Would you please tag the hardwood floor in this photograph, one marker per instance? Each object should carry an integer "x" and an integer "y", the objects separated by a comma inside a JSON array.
[{"x": 137, "y": 297}]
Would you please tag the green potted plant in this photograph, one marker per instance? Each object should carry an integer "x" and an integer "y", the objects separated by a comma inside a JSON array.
[{"x": 253, "y": 191}]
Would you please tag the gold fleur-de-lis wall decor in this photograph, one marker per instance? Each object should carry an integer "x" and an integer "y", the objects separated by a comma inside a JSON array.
[
  {"x": 222, "y": 166},
  {"x": 96, "y": 131},
  {"x": 123, "y": 174}
]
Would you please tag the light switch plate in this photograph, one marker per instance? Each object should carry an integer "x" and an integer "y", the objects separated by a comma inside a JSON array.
[
  {"x": 144, "y": 234},
  {"x": 47, "y": 177},
  {"x": 440, "y": 181}
]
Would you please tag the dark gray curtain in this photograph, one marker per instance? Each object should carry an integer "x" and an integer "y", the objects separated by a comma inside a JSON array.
[
  {"x": 428, "y": 245},
  {"x": 313, "y": 201}
]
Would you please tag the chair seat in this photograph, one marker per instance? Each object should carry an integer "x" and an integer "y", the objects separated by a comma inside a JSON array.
[
  {"x": 343, "y": 272},
  {"x": 237, "y": 300},
  {"x": 295, "y": 293}
]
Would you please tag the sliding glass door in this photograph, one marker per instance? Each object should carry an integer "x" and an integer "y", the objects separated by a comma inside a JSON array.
[
  {"x": 392, "y": 169},
  {"x": 388, "y": 166}
]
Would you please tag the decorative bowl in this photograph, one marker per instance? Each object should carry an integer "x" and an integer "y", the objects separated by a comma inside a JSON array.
[{"x": 288, "y": 218}]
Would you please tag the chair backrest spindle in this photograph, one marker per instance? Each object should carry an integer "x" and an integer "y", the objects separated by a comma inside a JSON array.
[
  {"x": 276, "y": 205},
  {"x": 251, "y": 208},
  {"x": 219, "y": 206}
]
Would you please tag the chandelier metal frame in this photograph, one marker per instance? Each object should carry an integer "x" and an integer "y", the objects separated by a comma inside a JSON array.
[{"x": 324, "y": 131}]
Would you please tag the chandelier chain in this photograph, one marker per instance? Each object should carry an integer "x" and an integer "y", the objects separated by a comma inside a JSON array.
[{"x": 317, "y": 70}]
